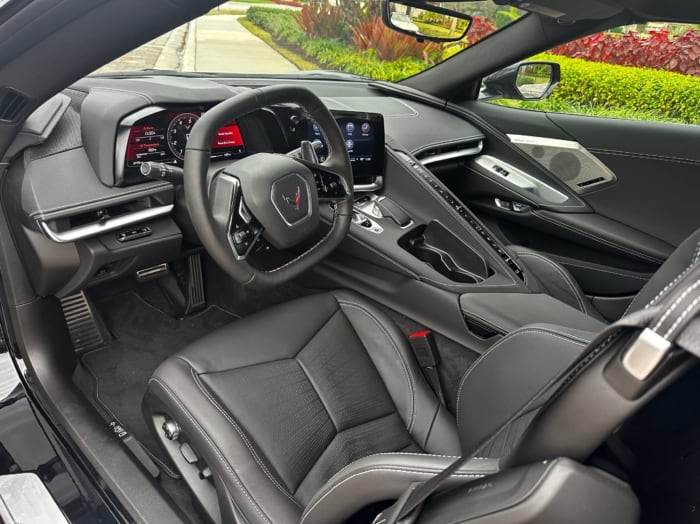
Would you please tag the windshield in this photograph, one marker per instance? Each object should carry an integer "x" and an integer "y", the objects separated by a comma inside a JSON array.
[{"x": 285, "y": 36}]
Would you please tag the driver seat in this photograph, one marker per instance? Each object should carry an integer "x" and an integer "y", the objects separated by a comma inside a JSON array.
[{"x": 311, "y": 410}]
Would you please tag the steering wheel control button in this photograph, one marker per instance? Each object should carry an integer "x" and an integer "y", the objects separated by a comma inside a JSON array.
[
  {"x": 291, "y": 196},
  {"x": 240, "y": 237},
  {"x": 328, "y": 186}
]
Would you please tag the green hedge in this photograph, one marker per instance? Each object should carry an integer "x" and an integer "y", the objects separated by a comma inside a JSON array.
[
  {"x": 668, "y": 95},
  {"x": 586, "y": 87},
  {"x": 278, "y": 22}
]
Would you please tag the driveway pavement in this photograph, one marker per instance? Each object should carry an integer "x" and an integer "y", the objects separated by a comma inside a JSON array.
[
  {"x": 214, "y": 43},
  {"x": 219, "y": 43}
]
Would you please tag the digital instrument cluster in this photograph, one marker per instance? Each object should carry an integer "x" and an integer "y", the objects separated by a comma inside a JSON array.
[{"x": 162, "y": 137}]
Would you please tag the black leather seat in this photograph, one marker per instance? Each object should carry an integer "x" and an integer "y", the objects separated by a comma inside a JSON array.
[
  {"x": 282, "y": 405},
  {"x": 314, "y": 408}
]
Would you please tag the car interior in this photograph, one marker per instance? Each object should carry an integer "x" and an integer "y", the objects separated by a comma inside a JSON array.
[{"x": 231, "y": 319}]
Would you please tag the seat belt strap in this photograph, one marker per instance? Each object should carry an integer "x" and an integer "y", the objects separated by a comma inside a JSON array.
[
  {"x": 673, "y": 322},
  {"x": 425, "y": 349}
]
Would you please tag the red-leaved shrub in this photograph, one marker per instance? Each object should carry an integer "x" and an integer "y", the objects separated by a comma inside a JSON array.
[
  {"x": 388, "y": 44},
  {"x": 657, "y": 51},
  {"x": 320, "y": 20},
  {"x": 480, "y": 28}
]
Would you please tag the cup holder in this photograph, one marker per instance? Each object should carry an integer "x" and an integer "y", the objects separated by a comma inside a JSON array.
[{"x": 445, "y": 253}]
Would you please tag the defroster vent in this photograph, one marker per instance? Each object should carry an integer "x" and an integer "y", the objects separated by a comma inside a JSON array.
[{"x": 13, "y": 104}]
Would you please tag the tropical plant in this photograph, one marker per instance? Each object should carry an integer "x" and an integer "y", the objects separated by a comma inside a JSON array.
[
  {"x": 389, "y": 45},
  {"x": 321, "y": 20}
]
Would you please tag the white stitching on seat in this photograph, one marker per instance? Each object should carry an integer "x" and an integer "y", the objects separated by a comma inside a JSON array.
[
  {"x": 235, "y": 426},
  {"x": 404, "y": 364},
  {"x": 422, "y": 455},
  {"x": 682, "y": 317},
  {"x": 673, "y": 306},
  {"x": 670, "y": 284},
  {"x": 391, "y": 470},
  {"x": 549, "y": 332},
  {"x": 561, "y": 272},
  {"x": 592, "y": 236},
  {"x": 216, "y": 450}
]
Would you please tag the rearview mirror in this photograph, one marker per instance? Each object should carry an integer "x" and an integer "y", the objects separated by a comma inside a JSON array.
[
  {"x": 425, "y": 21},
  {"x": 522, "y": 81}
]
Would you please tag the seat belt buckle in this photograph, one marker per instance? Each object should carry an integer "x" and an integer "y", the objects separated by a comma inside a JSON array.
[
  {"x": 645, "y": 354},
  {"x": 425, "y": 349}
]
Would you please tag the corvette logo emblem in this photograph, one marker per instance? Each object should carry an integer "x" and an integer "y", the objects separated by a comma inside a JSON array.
[{"x": 294, "y": 201}]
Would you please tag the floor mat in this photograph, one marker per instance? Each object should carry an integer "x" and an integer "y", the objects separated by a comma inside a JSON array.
[{"x": 144, "y": 337}]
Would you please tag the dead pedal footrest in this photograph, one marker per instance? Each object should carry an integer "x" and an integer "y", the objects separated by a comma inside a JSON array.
[{"x": 83, "y": 324}]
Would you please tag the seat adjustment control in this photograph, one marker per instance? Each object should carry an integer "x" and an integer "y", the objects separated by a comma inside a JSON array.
[{"x": 171, "y": 430}]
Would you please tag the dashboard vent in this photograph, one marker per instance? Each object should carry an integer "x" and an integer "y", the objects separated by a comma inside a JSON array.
[
  {"x": 13, "y": 104},
  {"x": 443, "y": 153}
]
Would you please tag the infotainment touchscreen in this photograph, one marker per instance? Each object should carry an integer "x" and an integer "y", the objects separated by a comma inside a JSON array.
[{"x": 364, "y": 140}]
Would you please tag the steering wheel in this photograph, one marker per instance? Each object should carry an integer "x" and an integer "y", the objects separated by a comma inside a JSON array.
[{"x": 270, "y": 195}]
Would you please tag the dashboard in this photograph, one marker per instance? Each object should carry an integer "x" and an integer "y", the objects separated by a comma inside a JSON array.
[
  {"x": 87, "y": 215},
  {"x": 160, "y": 134}
]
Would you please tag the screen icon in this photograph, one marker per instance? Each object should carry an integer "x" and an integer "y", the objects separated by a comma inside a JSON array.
[
  {"x": 349, "y": 144},
  {"x": 366, "y": 128},
  {"x": 350, "y": 128}
]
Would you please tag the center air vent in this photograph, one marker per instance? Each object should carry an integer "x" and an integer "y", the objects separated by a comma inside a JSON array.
[
  {"x": 443, "y": 153},
  {"x": 13, "y": 104}
]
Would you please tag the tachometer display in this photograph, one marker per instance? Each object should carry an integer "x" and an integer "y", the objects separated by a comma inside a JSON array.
[
  {"x": 162, "y": 136},
  {"x": 179, "y": 131}
]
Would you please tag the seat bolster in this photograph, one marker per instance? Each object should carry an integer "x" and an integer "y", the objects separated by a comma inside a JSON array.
[
  {"x": 384, "y": 476},
  {"x": 676, "y": 266},
  {"x": 509, "y": 373},
  {"x": 431, "y": 425},
  {"x": 176, "y": 391}
]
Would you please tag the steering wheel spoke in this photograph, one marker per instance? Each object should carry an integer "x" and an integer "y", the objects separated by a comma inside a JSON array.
[
  {"x": 244, "y": 231},
  {"x": 231, "y": 216},
  {"x": 330, "y": 185}
]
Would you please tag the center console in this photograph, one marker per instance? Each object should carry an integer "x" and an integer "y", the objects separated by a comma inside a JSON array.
[{"x": 414, "y": 238}]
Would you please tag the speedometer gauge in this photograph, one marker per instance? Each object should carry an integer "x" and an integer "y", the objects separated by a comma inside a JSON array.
[{"x": 179, "y": 131}]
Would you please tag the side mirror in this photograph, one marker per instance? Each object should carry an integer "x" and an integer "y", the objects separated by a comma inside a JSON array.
[
  {"x": 522, "y": 81},
  {"x": 425, "y": 21}
]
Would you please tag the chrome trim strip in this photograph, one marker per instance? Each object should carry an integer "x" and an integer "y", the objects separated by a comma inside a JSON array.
[
  {"x": 451, "y": 155},
  {"x": 111, "y": 224},
  {"x": 152, "y": 272}
]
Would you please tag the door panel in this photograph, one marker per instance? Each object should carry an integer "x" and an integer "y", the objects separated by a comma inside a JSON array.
[
  {"x": 657, "y": 165},
  {"x": 631, "y": 222}
]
